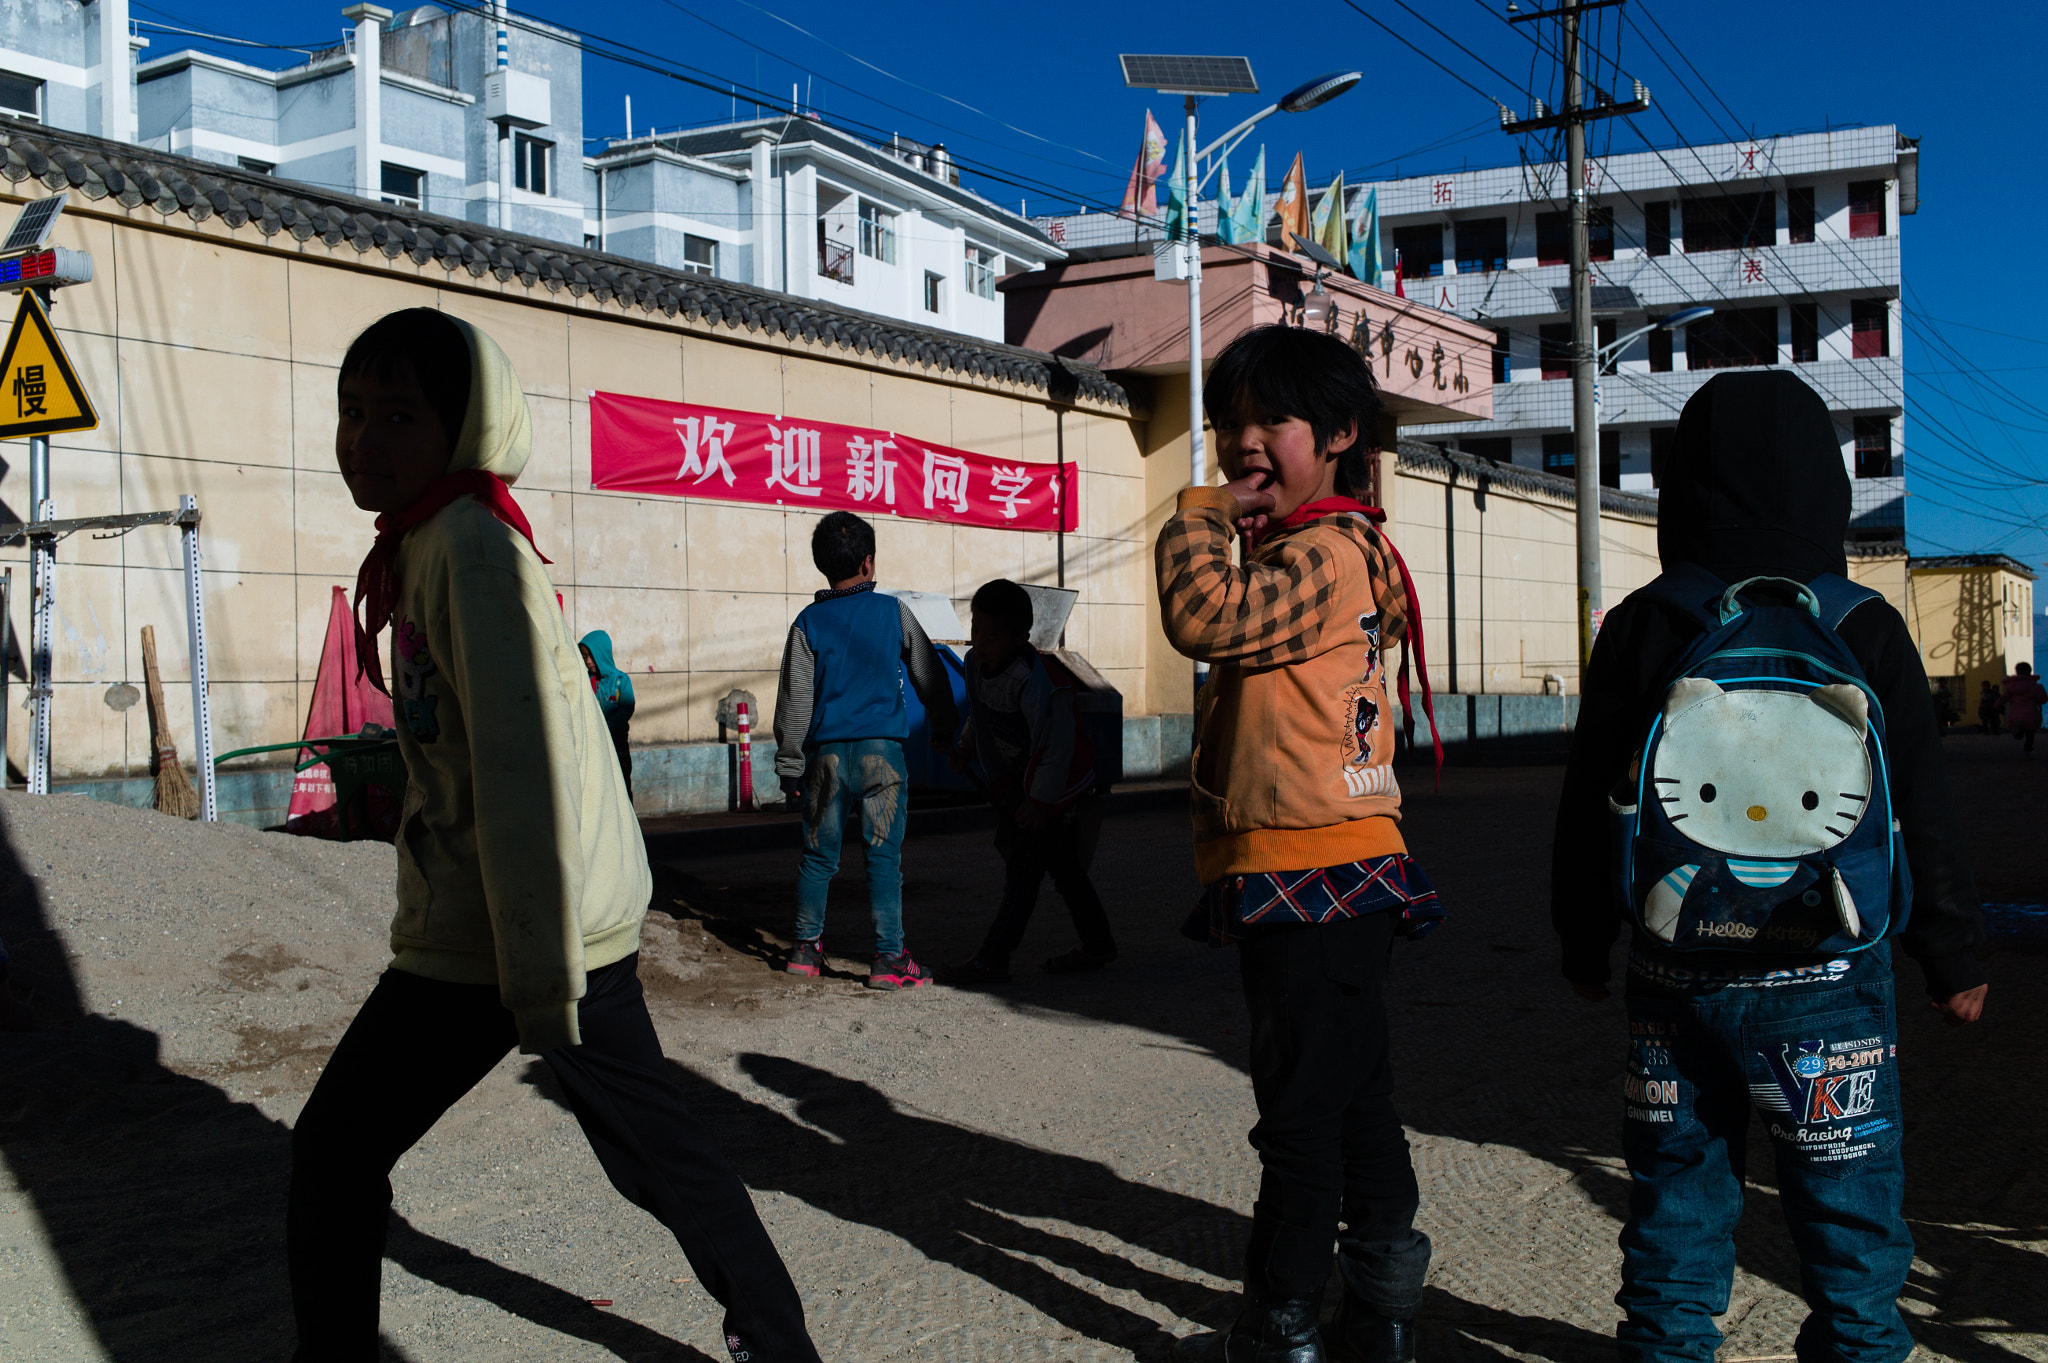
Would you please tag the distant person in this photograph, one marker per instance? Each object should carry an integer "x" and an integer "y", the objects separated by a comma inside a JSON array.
[
  {"x": 522, "y": 877},
  {"x": 840, "y": 723},
  {"x": 1751, "y": 725},
  {"x": 1990, "y": 706},
  {"x": 2024, "y": 698},
  {"x": 614, "y": 690},
  {"x": 1024, "y": 728},
  {"x": 1298, "y": 837},
  {"x": 1944, "y": 705}
]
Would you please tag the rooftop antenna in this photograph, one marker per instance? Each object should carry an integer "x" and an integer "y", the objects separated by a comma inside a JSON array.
[{"x": 629, "y": 118}]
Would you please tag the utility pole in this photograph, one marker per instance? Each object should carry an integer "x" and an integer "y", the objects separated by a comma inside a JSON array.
[{"x": 1573, "y": 118}]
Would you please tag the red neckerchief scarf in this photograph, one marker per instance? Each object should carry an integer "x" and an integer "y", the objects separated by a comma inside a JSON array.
[
  {"x": 377, "y": 579},
  {"x": 1333, "y": 506}
]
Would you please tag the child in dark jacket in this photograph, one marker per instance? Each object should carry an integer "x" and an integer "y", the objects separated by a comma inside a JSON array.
[
  {"x": 1024, "y": 728},
  {"x": 840, "y": 722},
  {"x": 1757, "y": 489}
]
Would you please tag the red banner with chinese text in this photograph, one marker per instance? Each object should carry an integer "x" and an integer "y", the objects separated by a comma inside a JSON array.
[{"x": 679, "y": 449}]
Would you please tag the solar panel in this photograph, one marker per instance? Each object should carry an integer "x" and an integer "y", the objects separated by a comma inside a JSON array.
[
  {"x": 32, "y": 228},
  {"x": 1316, "y": 253},
  {"x": 1190, "y": 75},
  {"x": 1606, "y": 298}
]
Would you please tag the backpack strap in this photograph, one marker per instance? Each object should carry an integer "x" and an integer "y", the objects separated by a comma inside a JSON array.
[
  {"x": 1691, "y": 591},
  {"x": 1837, "y": 596}
]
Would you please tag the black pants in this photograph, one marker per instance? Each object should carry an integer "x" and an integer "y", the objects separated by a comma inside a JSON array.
[
  {"x": 618, "y": 729},
  {"x": 1063, "y": 849},
  {"x": 1327, "y": 1135},
  {"x": 415, "y": 1048}
]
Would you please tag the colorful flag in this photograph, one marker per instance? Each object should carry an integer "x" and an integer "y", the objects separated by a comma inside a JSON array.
[
  {"x": 1329, "y": 224},
  {"x": 1177, "y": 192},
  {"x": 1248, "y": 215},
  {"x": 1293, "y": 205},
  {"x": 1223, "y": 201},
  {"x": 1141, "y": 196},
  {"x": 1365, "y": 240},
  {"x": 1399, "y": 292}
]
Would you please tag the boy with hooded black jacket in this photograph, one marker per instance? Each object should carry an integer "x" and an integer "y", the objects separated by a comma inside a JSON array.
[{"x": 1757, "y": 488}]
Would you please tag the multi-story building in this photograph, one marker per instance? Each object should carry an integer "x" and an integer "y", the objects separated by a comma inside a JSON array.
[
  {"x": 452, "y": 112},
  {"x": 1793, "y": 241}
]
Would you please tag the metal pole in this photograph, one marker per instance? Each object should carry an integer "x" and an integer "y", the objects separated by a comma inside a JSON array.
[
  {"x": 1198, "y": 471},
  {"x": 43, "y": 585},
  {"x": 195, "y": 625},
  {"x": 6, "y": 623},
  {"x": 1585, "y": 412},
  {"x": 1059, "y": 507}
]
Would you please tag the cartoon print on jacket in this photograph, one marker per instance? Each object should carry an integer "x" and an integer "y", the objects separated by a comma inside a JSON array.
[
  {"x": 413, "y": 665},
  {"x": 1763, "y": 777}
]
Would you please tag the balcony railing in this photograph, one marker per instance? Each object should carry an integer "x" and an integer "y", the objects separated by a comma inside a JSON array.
[{"x": 835, "y": 260}]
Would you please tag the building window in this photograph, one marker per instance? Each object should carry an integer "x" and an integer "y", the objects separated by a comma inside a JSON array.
[
  {"x": 1556, "y": 346},
  {"x": 256, "y": 167},
  {"x": 700, "y": 255},
  {"x": 1482, "y": 245},
  {"x": 1421, "y": 250},
  {"x": 1603, "y": 337},
  {"x": 835, "y": 258},
  {"x": 1657, "y": 228},
  {"x": 1560, "y": 453},
  {"x": 934, "y": 291},
  {"x": 1660, "y": 350},
  {"x": 1731, "y": 222},
  {"x": 981, "y": 272},
  {"x": 1498, "y": 449},
  {"x": 1870, "y": 332},
  {"x": 401, "y": 185},
  {"x": 530, "y": 158},
  {"x": 1799, "y": 216},
  {"x": 1732, "y": 338},
  {"x": 1554, "y": 236},
  {"x": 1805, "y": 333},
  {"x": 1873, "y": 447},
  {"x": 1866, "y": 208},
  {"x": 1503, "y": 367},
  {"x": 1610, "y": 459},
  {"x": 877, "y": 233},
  {"x": 1663, "y": 449},
  {"x": 21, "y": 97}
]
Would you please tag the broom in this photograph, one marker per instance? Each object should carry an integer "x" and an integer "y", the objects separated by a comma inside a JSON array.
[{"x": 174, "y": 793}]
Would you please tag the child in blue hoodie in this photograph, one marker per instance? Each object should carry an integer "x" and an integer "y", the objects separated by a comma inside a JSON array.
[{"x": 840, "y": 722}]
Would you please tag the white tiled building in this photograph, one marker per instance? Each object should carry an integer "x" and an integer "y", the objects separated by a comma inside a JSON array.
[
  {"x": 1794, "y": 241},
  {"x": 411, "y": 108}
]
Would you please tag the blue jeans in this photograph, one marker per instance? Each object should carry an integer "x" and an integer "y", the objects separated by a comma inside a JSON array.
[
  {"x": 1814, "y": 1051},
  {"x": 871, "y": 771}
]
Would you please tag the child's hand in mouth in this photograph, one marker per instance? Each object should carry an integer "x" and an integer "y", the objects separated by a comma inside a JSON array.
[{"x": 1253, "y": 490}]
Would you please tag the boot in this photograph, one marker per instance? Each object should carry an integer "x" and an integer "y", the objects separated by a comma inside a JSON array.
[
  {"x": 1284, "y": 1332},
  {"x": 1359, "y": 1334}
]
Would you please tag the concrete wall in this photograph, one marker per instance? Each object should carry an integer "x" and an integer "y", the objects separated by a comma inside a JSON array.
[
  {"x": 211, "y": 353},
  {"x": 1972, "y": 622}
]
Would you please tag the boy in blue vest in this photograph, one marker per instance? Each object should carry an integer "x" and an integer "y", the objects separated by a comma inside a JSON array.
[
  {"x": 840, "y": 722},
  {"x": 1757, "y": 490}
]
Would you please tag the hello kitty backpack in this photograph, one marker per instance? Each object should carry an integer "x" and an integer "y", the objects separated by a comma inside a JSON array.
[{"x": 1758, "y": 815}]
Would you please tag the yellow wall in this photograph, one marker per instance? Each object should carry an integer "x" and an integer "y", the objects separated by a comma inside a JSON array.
[
  {"x": 1886, "y": 574},
  {"x": 1517, "y": 567},
  {"x": 212, "y": 352},
  {"x": 1972, "y": 622}
]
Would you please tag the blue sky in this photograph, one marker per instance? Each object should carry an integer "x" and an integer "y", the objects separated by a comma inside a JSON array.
[{"x": 1029, "y": 98}]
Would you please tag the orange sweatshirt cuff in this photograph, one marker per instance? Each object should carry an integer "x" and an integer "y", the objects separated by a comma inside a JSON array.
[
  {"x": 1297, "y": 849},
  {"x": 1200, "y": 498}
]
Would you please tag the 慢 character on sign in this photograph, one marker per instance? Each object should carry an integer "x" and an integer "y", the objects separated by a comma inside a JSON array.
[
  {"x": 704, "y": 449},
  {"x": 1010, "y": 485},
  {"x": 945, "y": 480},
  {"x": 870, "y": 473},
  {"x": 793, "y": 460},
  {"x": 30, "y": 390},
  {"x": 1752, "y": 271}
]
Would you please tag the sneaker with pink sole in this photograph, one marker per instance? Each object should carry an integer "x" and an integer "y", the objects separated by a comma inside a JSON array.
[
  {"x": 898, "y": 972},
  {"x": 807, "y": 958}
]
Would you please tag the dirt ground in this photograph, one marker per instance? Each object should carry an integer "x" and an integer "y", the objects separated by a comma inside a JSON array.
[{"x": 1053, "y": 1169}]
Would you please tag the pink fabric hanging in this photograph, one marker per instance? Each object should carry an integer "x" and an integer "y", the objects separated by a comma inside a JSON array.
[{"x": 343, "y": 702}]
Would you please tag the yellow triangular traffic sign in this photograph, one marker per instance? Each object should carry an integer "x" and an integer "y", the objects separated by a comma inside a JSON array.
[{"x": 39, "y": 390}]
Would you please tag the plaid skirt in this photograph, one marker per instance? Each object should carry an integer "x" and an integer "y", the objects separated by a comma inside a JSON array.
[{"x": 1238, "y": 906}]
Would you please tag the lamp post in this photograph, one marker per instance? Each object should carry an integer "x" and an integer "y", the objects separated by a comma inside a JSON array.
[
  {"x": 1605, "y": 355},
  {"x": 1194, "y": 76}
]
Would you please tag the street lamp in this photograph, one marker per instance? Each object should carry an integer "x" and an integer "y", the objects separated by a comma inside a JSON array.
[
  {"x": 1605, "y": 355},
  {"x": 1194, "y": 76}
]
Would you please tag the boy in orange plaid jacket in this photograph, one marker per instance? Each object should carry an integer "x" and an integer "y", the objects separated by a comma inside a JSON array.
[{"x": 1297, "y": 835}]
